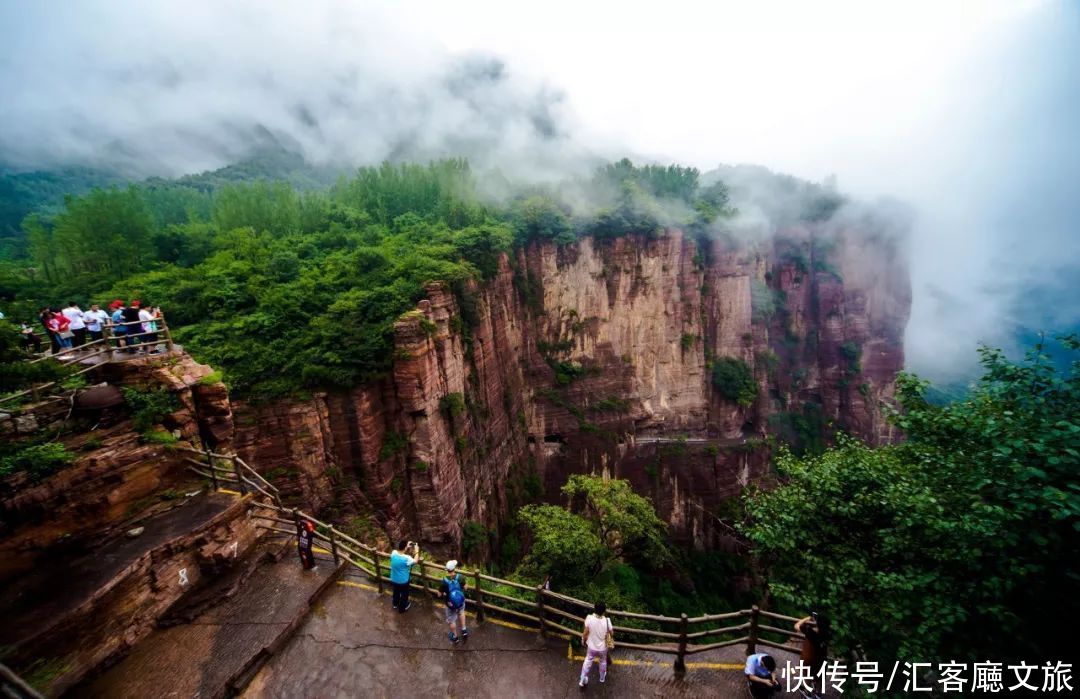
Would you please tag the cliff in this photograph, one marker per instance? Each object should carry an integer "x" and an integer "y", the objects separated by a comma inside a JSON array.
[{"x": 598, "y": 356}]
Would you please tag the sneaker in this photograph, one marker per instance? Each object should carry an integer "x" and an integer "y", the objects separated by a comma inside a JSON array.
[
  {"x": 406, "y": 607},
  {"x": 464, "y": 633},
  {"x": 584, "y": 681},
  {"x": 602, "y": 680},
  {"x": 453, "y": 639}
]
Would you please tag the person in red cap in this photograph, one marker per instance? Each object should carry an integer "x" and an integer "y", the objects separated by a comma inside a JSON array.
[{"x": 119, "y": 330}]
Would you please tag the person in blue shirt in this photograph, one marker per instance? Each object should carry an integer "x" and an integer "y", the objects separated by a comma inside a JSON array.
[
  {"x": 761, "y": 676},
  {"x": 401, "y": 563}
]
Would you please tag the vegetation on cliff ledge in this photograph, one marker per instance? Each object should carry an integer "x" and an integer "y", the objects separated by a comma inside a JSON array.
[{"x": 285, "y": 287}]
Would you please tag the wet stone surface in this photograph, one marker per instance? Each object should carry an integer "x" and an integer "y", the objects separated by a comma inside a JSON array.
[
  {"x": 54, "y": 590},
  {"x": 354, "y": 644},
  {"x": 197, "y": 659}
]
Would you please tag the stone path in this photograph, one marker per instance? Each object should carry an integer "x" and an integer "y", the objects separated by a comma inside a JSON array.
[
  {"x": 40, "y": 600},
  {"x": 354, "y": 644},
  {"x": 199, "y": 658}
]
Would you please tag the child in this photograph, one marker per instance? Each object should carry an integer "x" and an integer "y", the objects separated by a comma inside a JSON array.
[{"x": 452, "y": 591}]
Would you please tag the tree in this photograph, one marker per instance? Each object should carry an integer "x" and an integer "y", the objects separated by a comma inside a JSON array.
[
  {"x": 563, "y": 545},
  {"x": 626, "y": 522},
  {"x": 615, "y": 526},
  {"x": 961, "y": 542},
  {"x": 733, "y": 378}
]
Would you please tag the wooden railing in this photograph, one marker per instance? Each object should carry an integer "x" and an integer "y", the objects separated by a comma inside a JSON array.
[
  {"x": 550, "y": 612},
  {"x": 14, "y": 687},
  {"x": 238, "y": 473},
  {"x": 108, "y": 346}
]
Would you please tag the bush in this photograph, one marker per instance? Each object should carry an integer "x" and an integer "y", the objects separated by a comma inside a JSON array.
[
  {"x": 38, "y": 461},
  {"x": 473, "y": 537},
  {"x": 150, "y": 407},
  {"x": 393, "y": 444},
  {"x": 452, "y": 404},
  {"x": 734, "y": 380}
]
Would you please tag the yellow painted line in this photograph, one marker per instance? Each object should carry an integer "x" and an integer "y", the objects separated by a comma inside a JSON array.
[
  {"x": 362, "y": 586},
  {"x": 570, "y": 649},
  {"x": 320, "y": 549},
  {"x": 651, "y": 663}
]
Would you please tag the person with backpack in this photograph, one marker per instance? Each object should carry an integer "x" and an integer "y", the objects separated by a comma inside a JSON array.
[
  {"x": 402, "y": 559},
  {"x": 452, "y": 591},
  {"x": 761, "y": 676},
  {"x": 598, "y": 637}
]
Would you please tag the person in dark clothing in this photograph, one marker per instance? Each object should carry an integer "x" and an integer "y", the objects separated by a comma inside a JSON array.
[
  {"x": 29, "y": 339},
  {"x": 130, "y": 314},
  {"x": 305, "y": 539}
]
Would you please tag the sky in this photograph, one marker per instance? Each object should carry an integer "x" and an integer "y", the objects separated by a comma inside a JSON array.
[{"x": 966, "y": 110}]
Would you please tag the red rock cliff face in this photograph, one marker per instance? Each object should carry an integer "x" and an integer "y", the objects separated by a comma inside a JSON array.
[{"x": 596, "y": 357}]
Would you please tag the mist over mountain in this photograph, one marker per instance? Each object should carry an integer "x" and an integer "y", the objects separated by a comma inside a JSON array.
[{"x": 965, "y": 113}]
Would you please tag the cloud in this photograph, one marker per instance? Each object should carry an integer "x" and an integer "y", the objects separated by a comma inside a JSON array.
[
  {"x": 966, "y": 110},
  {"x": 153, "y": 88}
]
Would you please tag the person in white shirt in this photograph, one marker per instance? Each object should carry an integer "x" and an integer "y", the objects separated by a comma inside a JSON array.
[
  {"x": 595, "y": 639},
  {"x": 96, "y": 320},
  {"x": 146, "y": 315},
  {"x": 74, "y": 315}
]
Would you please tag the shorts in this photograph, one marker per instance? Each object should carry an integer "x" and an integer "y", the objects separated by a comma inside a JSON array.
[{"x": 452, "y": 614}]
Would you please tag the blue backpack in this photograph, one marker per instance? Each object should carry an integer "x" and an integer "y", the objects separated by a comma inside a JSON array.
[{"x": 456, "y": 597}]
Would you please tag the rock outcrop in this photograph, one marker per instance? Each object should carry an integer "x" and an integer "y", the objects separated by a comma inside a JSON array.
[{"x": 598, "y": 356}]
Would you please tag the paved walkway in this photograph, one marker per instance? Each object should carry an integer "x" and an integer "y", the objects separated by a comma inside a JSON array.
[
  {"x": 40, "y": 600},
  {"x": 199, "y": 658},
  {"x": 354, "y": 644}
]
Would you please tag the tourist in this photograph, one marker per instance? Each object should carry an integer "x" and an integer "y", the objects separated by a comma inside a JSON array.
[
  {"x": 401, "y": 562},
  {"x": 130, "y": 314},
  {"x": 45, "y": 315},
  {"x": 96, "y": 320},
  {"x": 76, "y": 324},
  {"x": 304, "y": 541},
  {"x": 597, "y": 637},
  {"x": 60, "y": 326},
  {"x": 119, "y": 330},
  {"x": 760, "y": 676},
  {"x": 29, "y": 339},
  {"x": 815, "y": 631},
  {"x": 452, "y": 591},
  {"x": 149, "y": 328}
]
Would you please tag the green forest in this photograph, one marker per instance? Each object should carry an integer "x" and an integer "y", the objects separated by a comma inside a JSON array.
[
  {"x": 285, "y": 285},
  {"x": 960, "y": 542}
]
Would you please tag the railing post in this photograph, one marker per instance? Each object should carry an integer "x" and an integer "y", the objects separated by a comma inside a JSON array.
[
  {"x": 680, "y": 664},
  {"x": 168, "y": 335},
  {"x": 213, "y": 474},
  {"x": 540, "y": 608},
  {"x": 423, "y": 579},
  {"x": 239, "y": 476},
  {"x": 333, "y": 546},
  {"x": 378, "y": 569},
  {"x": 751, "y": 637},
  {"x": 479, "y": 597}
]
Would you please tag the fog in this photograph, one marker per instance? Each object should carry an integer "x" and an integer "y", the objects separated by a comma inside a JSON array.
[{"x": 965, "y": 110}]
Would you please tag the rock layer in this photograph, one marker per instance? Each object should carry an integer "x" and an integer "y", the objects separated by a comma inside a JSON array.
[{"x": 571, "y": 359}]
